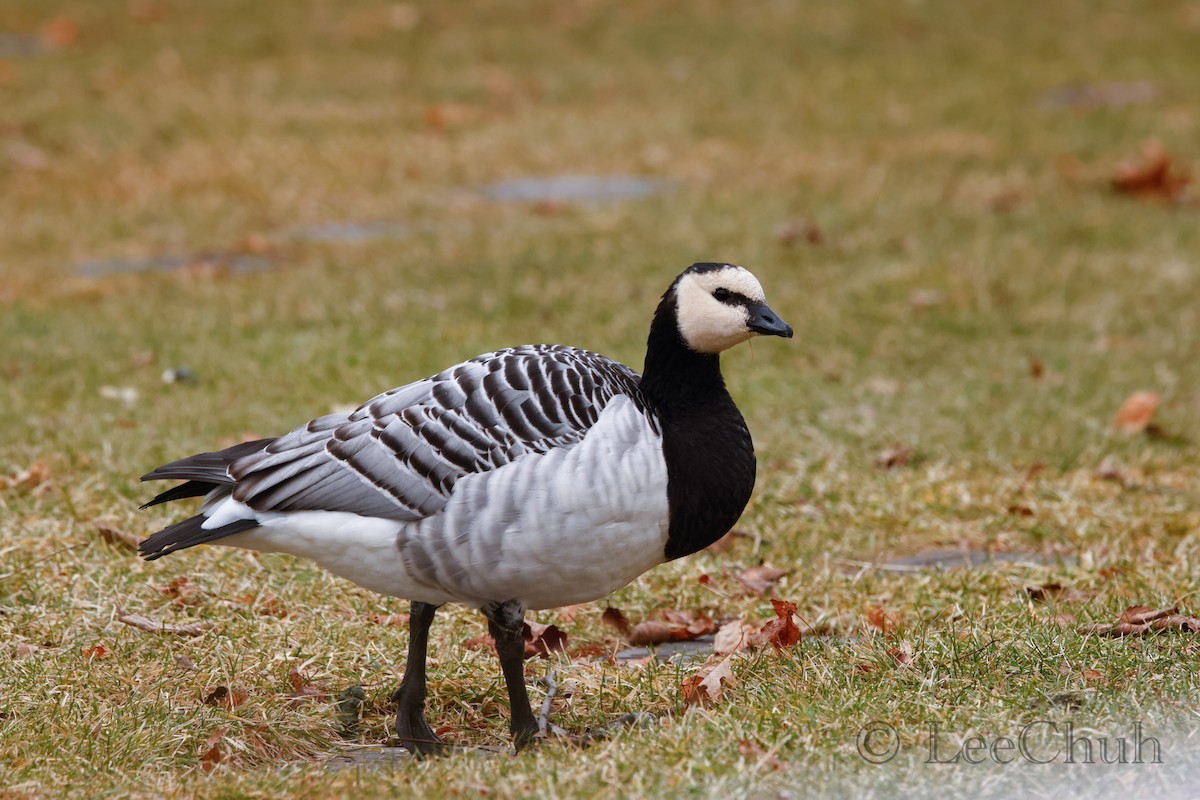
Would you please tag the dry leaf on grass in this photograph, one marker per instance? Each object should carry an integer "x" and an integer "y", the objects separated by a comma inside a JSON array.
[
  {"x": 540, "y": 640},
  {"x": 782, "y": 631},
  {"x": 182, "y": 591},
  {"x": 60, "y": 32},
  {"x": 26, "y": 479},
  {"x": 1139, "y": 620},
  {"x": 673, "y": 626},
  {"x": 303, "y": 690},
  {"x": 117, "y": 538},
  {"x": 761, "y": 579},
  {"x": 1151, "y": 175},
  {"x": 708, "y": 684},
  {"x": 894, "y": 457},
  {"x": 224, "y": 697},
  {"x": 880, "y": 619},
  {"x": 734, "y": 636},
  {"x": 615, "y": 618},
  {"x": 902, "y": 655},
  {"x": 1049, "y": 592},
  {"x": 144, "y": 623},
  {"x": 1137, "y": 412},
  {"x": 211, "y": 756},
  {"x": 96, "y": 653}
]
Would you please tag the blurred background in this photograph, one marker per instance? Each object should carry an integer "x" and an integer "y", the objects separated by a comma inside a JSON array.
[{"x": 219, "y": 219}]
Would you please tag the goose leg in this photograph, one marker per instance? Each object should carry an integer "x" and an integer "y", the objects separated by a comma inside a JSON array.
[
  {"x": 414, "y": 732},
  {"x": 506, "y": 623}
]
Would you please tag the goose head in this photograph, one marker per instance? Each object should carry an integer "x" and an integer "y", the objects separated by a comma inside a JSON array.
[{"x": 720, "y": 305}]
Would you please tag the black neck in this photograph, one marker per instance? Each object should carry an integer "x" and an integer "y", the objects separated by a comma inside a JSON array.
[
  {"x": 706, "y": 445},
  {"x": 676, "y": 379}
]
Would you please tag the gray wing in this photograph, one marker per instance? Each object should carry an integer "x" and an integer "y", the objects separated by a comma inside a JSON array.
[{"x": 399, "y": 455}]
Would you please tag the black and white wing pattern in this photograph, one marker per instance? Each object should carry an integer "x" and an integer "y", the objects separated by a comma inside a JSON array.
[{"x": 399, "y": 455}]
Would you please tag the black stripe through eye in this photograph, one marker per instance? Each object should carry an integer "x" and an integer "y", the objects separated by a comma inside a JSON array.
[{"x": 721, "y": 294}]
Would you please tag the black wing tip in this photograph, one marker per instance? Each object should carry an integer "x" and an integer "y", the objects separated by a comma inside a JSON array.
[{"x": 188, "y": 533}]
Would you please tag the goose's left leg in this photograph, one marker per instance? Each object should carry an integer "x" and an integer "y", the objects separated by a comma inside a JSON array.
[{"x": 506, "y": 623}]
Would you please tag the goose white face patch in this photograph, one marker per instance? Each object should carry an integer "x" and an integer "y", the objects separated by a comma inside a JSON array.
[{"x": 710, "y": 325}]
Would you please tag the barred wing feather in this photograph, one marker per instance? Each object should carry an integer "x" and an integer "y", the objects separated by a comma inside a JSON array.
[{"x": 399, "y": 455}]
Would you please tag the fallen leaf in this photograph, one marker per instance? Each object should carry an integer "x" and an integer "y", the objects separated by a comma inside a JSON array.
[
  {"x": 484, "y": 642},
  {"x": 1036, "y": 368},
  {"x": 60, "y": 32},
  {"x": 761, "y": 579},
  {"x": 542, "y": 640},
  {"x": 1152, "y": 174},
  {"x": 96, "y": 652},
  {"x": 614, "y": 618},
  {"x": 144, "y": 623},
  {"x": 707, "y": 685},
  {"x": 657, "y": 631},
  {"x": 1139, "y": 620},
  {"x": 902, "y": 655},
  {"x": 182, "y": 661},
  {"x": 694, "y": 622},
  {"x": 782, "y": 631},
  {"x": 390, "y": 620},
  {"x": 181, "y": 591},
  {"x": 211, "y": 756},
  {"x": 302, "y": 689},
  {"x": 1043, "y": 593},
  {"x": 878, "y": 618},
  {"x": 1092, "y": 676},
  {"x": 734, "y": 636},
  {"x": 893, "y": 457},
  {"x": 117, "y": 538},
  {"x": 224, "y": 697},
  {"x": 1137, "y": 412},
  {"x": 1139, "y": 615},
  {"x": 31, "y": 477},
  {"x": 590, "y": 650}
]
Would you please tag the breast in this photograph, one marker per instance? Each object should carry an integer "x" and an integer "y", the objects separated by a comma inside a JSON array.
[{"x": 710, "y": 472}]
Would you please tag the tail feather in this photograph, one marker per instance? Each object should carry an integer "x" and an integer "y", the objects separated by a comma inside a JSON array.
[
  {"x": 207, "y": 467},
  {"x": 188, "y": 533},
  {"x": 203, "y": 473},
  {"x": 183, "y": 491}
]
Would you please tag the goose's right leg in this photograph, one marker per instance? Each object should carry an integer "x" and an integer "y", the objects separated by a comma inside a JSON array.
[{"x": 414, "y": 732}]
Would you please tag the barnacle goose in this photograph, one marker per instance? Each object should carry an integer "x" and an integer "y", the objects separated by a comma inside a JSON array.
[{"x": 527, "y": 478}]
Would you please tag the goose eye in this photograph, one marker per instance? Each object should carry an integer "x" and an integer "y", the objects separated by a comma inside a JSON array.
[{"x": 721, "y": 294}]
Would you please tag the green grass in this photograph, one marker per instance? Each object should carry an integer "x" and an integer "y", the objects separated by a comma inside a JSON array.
[{"x": 916, "y": 139}]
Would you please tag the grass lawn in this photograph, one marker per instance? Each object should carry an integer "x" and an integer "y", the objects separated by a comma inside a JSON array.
[{"x": 292, "y": 201}]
